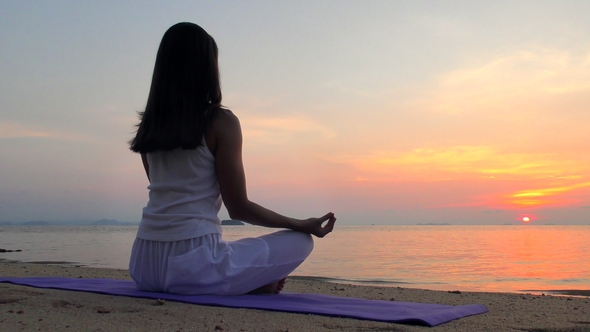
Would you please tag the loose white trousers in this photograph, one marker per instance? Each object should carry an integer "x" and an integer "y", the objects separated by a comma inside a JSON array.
[{"x": 209, "y": 265}]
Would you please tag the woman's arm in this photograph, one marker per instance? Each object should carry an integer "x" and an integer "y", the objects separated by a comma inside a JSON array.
[{"x": 232, "y": 183}]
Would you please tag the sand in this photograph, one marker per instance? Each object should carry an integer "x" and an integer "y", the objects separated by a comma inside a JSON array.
[{"x": 32, "y": 309}]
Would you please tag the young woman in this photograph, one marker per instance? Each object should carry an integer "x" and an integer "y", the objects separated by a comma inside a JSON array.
[{"x": 191, "y": 148}]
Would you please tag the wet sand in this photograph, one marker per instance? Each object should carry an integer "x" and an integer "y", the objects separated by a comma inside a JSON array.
[{"x": 31, "y": 309}]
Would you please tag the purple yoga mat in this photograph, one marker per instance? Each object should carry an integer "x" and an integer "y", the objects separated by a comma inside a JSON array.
[{"x": 384, "y": 311}]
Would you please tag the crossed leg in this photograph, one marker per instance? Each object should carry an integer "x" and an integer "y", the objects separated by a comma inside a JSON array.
[{"x": 278, "y": 254}]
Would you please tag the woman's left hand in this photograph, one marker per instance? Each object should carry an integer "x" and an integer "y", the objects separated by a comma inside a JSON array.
[{"x": 314, "y": 225}]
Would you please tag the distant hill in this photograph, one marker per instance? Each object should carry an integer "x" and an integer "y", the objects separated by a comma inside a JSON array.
[
  {"x": 433, "y": 224},
  {"x": 35, "y": 223},
  {"x": 101, "y": 222},
  {"x": 111, "y": 222},
  {"x": 231, "y": 223}
]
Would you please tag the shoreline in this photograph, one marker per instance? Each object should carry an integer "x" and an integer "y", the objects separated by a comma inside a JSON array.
[
  {"x": 48, "y": 309},
  {"x": 369, "y": 283},
  {"x": 542, "y": 292}
]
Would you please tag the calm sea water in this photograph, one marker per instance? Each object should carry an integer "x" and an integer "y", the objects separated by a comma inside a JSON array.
[{"x": 476, "y": 258}]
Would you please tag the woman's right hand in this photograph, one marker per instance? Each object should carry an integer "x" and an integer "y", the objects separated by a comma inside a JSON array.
[{"x": 314, "y": 225}]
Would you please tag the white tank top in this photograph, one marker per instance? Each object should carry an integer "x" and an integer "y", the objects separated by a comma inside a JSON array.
[{"x": 184, "y": 196}]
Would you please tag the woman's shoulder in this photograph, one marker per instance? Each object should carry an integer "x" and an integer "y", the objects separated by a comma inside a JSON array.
[
  {"x": 224, "y": 128},
  {"x": 226, "y": 114},
  {"x": 225, "y": 119}
]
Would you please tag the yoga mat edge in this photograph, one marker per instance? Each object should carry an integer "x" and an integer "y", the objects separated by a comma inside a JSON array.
[{"x": 319, "y": 304}]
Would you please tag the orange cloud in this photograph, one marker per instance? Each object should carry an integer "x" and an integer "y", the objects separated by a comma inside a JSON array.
[
  {"x": 474, "y": 175},
  {"x": 545, "y": 196},
  {"x": 463, "y": 162},
  {"x": 15, "y": 130},
  {"x": 275, "y": 130},
  {"x": 510, "y": 82}
]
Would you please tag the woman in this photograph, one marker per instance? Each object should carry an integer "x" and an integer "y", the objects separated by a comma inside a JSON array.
[{"x": 191, "y": 148}]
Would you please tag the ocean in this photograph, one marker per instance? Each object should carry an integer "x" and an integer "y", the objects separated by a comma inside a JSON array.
[{"x": 508, "y": 258}]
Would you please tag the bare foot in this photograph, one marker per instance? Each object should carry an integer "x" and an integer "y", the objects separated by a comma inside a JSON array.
[
  {"x": 282, "y": 283},
  {"x": 273, "y": 288}
]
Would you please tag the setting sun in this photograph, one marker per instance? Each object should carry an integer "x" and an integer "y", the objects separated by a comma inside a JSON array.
[{"x": 526, "y": 219}]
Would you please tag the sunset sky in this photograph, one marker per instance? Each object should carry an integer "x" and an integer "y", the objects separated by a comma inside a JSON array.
[{"x": 384, "y": 112}]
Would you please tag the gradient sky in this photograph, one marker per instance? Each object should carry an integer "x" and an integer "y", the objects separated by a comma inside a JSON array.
[{"x": 384, "y": 112}]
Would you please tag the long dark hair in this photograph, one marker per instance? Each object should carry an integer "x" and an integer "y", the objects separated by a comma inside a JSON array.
[{"x": 185, "y": 92}]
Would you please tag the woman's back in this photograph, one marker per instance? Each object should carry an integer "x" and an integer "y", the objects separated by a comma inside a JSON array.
[{"x": 184, "y": 195}]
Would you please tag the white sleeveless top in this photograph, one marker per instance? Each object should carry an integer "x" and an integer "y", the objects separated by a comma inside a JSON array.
[{"x": 184, "y": 196}]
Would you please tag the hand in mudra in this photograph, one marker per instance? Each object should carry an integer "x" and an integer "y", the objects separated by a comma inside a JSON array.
[{"x": 314, "y": 225}]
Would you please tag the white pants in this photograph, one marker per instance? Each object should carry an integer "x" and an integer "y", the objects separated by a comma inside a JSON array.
[{"x": 209, "y": 265}]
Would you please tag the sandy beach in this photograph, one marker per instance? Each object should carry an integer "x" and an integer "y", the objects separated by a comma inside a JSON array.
[{"x": 32, "y": 309}]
